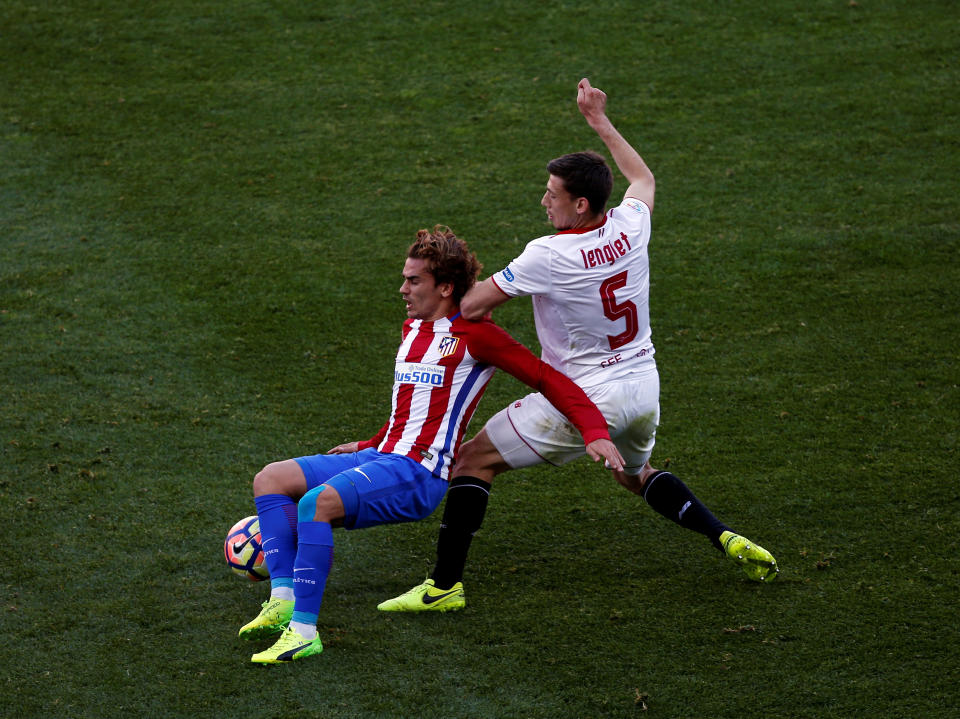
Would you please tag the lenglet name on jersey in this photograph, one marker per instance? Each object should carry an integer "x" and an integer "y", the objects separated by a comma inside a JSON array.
[{"x": 606, "y": 254}]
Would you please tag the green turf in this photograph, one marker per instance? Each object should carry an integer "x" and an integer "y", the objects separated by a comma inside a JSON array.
[{"x": 203, "y": 212}]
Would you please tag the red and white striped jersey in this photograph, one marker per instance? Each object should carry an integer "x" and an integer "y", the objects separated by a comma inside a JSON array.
[{"x": 442, "y": 369}]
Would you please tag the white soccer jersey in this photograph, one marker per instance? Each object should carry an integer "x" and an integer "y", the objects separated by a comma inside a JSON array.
[{"x": 590, "y": 289}]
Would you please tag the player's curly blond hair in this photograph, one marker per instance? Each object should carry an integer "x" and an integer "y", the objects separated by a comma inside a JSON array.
[{"x": 448, "y": 257}]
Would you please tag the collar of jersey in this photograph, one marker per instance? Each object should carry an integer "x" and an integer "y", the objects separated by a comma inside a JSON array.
[
  {"x": 450, "y": 317},
  {"x": 582, "y": 230}
]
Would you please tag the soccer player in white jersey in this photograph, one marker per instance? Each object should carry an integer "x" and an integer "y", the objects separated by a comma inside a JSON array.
[
  {"x": 442, "y": 367},
  {"x": 590, "y": 284}
]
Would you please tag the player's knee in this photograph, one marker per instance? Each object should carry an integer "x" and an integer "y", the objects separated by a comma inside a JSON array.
[
  {"x": 467, "y": 453},
  {"x": 479, "y": 458},
  {"x": 320, "y": 504},
  {"x": 272, "y": 479},
  {"x": 646, "y": 473},
  {"x": 307, "y": 506},
  {"x": 631, "y": 482},
  {"x": 264, "y": 482}
]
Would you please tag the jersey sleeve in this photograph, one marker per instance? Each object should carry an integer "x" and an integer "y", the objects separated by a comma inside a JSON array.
[
  {"x": 636, "y": 215},
  {"x": 490, "y": 344},
  {"x": 528, "y": 274}
]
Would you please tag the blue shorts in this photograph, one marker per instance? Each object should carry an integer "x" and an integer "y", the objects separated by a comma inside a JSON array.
[{"x": 376, "y": 488}]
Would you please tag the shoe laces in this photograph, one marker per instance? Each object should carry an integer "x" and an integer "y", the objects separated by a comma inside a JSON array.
[
  {"x": 423, "y": 586},
  {"x": 290, "y": 636}
]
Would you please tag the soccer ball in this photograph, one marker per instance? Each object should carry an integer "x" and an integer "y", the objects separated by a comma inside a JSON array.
[{"x": 243, "y": 551}]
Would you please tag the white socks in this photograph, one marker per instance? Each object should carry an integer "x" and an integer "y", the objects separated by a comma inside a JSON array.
[{"x": 307, "y": 631}]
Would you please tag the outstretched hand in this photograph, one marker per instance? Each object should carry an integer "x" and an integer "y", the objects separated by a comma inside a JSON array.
[
  {"x": 345, "y": 448},
  {"x": 591, "y": 101},
  {"x": 604, "y": 449}
]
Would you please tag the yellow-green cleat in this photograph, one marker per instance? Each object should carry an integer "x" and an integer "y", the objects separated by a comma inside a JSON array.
[
  {"x": 754, "y": 560},
  {"x": 427, "y": 598},
  {"x": 290, "y": 647},
  {"x": 272, "y": 619}
]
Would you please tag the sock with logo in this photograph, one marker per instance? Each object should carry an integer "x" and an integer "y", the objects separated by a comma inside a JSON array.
[
  {"x": 462, "y": 516},
  {"x": 278, "y": 533},
  {"x": 674, "y": 500},
  {"x": 310, "y": 571}
]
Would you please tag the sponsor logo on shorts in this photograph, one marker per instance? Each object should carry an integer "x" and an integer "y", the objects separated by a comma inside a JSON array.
[{"x": 364, "y": 474}]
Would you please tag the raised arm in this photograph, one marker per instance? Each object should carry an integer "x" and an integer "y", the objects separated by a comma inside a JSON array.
[{"x": 593, "y": 106}]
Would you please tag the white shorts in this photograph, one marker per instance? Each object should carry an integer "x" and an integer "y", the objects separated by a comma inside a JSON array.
[{"x": 531, "y": 430}]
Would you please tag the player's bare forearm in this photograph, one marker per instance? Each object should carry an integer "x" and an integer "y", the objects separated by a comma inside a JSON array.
[
  {"x": 345, "y": 448},
  {"x": 481, "y": 299},
  {"x": 604, "y": 449},
  {"x": 593, "y": 105}
]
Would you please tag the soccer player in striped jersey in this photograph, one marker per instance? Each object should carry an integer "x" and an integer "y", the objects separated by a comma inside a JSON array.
[
  {"x": 400, "y": 474},
  {"x": 590, "y": 283}
]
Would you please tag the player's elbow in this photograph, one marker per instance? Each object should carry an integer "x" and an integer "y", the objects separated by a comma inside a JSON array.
[{"x": 644, "y": 179}]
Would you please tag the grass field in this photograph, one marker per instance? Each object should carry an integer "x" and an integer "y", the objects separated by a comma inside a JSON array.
[{"x": 203, "y": 212}]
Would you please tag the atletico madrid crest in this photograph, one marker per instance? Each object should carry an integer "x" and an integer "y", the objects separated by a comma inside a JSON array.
[{"x": 448, "y": 345}]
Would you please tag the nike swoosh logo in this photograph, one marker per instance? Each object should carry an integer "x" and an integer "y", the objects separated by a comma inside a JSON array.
[
  {"x": 367, "y": 478},
  {"x": 428, "y": 599},
  {"x": 237, "y": 548}
]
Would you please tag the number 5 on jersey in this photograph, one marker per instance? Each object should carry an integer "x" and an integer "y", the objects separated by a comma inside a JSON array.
[{"x": 615, "y": 311}]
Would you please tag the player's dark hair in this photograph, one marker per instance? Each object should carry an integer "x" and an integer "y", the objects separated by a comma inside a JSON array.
[
  {"x": 448, "y": 258},
  {"x": 585, "y": 174}
]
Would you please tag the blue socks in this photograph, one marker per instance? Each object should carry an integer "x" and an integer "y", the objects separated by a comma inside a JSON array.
[
  {"x": 311, "y": 569},
  {"x": 299, "y": 556},
  {"x": 278, "y": 536}
]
